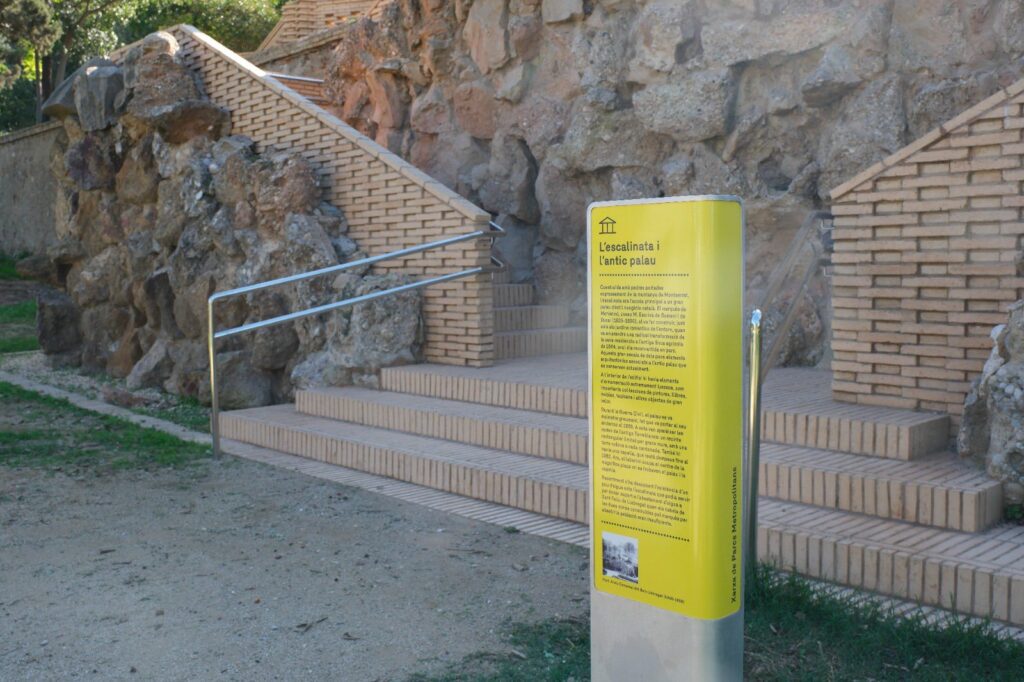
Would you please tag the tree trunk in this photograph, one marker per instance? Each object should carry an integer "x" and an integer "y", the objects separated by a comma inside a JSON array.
[
  {"x": 39, "y": 88},
  {"x": 47, "y": 74},
  {"x": 60, "y": 66}
]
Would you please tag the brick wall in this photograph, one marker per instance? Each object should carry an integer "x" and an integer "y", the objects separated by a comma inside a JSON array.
[
  {"x": 925, "y": 249},
  {"x": 388, "y": 202},
  {"x": 300, "y": 18}
]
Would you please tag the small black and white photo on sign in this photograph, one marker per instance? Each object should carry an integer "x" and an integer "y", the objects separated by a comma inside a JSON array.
[{"x": 619, "y": 555}]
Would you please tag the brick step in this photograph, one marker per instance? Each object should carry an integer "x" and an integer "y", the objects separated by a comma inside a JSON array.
[
  {"x": 501, "y": 428},
  {"x": 310, "y": 88},
  {"x": 520, "y": 318},
  {"x": 508, "y": 295},
  {"x": 554, "y": 385},
  {"x": 799, "y": 410},
  {"x": 544, "y": 486},
  {"x": 974, "y": 573},
  {"x": 534, "y": 342},
  {"x": 502, "y": 276},
  {"x": 938, "y": 491}
]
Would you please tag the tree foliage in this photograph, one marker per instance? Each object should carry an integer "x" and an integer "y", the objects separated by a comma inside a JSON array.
[
  {"x": 23, "y": 24},
  {"x": 240, "y": 24},
  {"x": 17, "y": 105}
]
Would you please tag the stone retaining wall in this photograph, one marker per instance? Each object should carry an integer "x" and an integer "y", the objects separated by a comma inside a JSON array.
[{"x": 28, "y": 191}]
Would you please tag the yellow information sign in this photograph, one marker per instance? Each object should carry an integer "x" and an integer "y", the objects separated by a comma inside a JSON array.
[{"x": 666, "y": 405}]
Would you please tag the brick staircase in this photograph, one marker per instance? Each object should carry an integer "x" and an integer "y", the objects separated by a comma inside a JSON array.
[
  {"x": 861, "y": 496},
  {"x": 524, "y": 329}
]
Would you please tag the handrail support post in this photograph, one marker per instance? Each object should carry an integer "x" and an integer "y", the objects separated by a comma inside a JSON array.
[
  {"x": 753, "y": 454},
  {"x": 214, "y": 393}
]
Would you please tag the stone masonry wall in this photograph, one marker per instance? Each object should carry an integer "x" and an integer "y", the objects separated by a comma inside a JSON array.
[
  {"x": 29, "y": 204},
  {"x": 928, "y": 260},
  {"x": 389, "y": 204}
]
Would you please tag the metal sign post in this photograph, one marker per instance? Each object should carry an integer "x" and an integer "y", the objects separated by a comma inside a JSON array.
[{"x": 665, "y": 282}]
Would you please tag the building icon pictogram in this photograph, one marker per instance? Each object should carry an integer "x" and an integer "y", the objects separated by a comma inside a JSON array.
[{"x": 607, "y": 226}]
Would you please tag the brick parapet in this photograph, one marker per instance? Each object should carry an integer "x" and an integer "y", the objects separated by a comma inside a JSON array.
[
  {"x": 302, "y": 18},
  {"x": 926, "y": 244}
]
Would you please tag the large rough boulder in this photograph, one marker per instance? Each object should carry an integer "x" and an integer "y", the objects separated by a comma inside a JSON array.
[
  {"x": 486, "y": 34},
  {"x": 61, "y": 102},
  {"x": 379, "y": 333},
  {"x": 165, "y": 95},
  {"x": 992, "y": 429},
  {"x": 874, "y": 127},
  {"x": 97, "y": 90},
  {"x": 692, "y": 109},
  {"x": 93, "y": 162},
  {"x": 57, "y": 319}
]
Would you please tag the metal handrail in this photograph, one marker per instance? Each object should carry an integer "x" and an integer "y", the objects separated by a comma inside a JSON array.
[
  {"x": 213, "y": 335},
  {"x": 761, "y": 364},
  {"x": 290, "y": 77}
]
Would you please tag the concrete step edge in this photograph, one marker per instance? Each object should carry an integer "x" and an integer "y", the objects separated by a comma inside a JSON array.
[
  {"x": 879, "y": 437},
  {"x": 496, "y": 392},
  {"x": 529, "y": 317},
  {"x": 546, "y": 487},
  {"x": 534, "y": 342},
  {"x": 508, "y": 295},
  {"x": 528, "y": 433},
  {"x": 936, "y": 495},
  {"x": 974, "y": 574}
]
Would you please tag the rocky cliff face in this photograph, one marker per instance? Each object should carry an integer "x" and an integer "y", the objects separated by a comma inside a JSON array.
[
  {"x": 533, "y": 108},
  {"x": 165, "y": 210}
]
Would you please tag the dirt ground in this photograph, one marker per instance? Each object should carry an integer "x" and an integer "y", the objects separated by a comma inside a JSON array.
[{"x": 234, "y": 570}]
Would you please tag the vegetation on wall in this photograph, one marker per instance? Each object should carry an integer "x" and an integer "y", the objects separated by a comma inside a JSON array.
[{"x": 44, "y": 41}]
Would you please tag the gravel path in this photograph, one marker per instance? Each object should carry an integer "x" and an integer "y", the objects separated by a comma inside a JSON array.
[{"x": 234, "y": 570}]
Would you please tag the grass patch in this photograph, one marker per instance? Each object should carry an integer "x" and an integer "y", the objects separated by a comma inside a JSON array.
[
  {"x": 48, "y": 433},
  {"x": 18, "y": 313},
  {"x": 792, "y": 633},
  {"x": 186, "y": 411},
  {"x": 17, "y": 327},
  {"x": 18, "y": 344}
]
